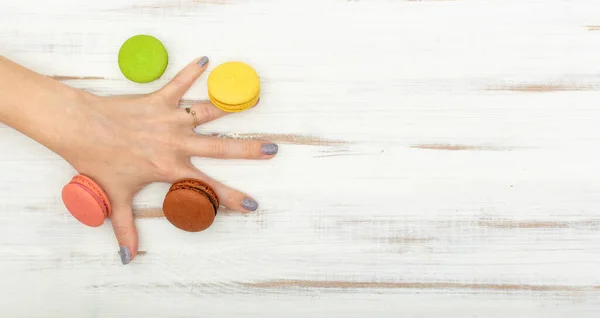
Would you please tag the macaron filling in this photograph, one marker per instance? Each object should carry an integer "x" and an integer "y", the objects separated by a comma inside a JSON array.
[
  {"x": 234, "y": 108},
  {"x": 207, "y": 192}
]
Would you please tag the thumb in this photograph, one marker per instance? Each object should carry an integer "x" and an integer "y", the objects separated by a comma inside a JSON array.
[{"x": 125, "y": 231}]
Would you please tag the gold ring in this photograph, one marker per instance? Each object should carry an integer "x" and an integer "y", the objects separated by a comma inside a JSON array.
[{"x": 193, "y": 112}]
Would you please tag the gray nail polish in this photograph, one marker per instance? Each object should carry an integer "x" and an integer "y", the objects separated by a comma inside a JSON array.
[
  {"x": 269, "y": 149},
  {"x": 125, "y": 255},
  {"x": 249, "y": 204},
  {"x": 203, "y": 61}
]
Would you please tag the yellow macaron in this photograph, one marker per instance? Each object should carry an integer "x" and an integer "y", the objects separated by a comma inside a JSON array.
[{"x": 234, "y": 86}]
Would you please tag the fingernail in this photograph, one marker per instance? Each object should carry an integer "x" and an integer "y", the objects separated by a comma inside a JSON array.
[
  {"x": 203, "y": 61},
  {"x": 125, "y": 255},
  {"x": 269, "y": 149},
  {"x": 249, "y": 204}
]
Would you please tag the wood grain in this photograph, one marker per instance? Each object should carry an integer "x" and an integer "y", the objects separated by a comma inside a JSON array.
[
  {"x": 73, "y": 78},
  {"x": 437, "y": 159},
  {"x": 458, "y": 147},
  {"x": 283, "y": 138},
  {"x": 173, "y": 4},
  {"x": 542, "y": 88},
  {"x": 151, "y": 213},
  {"x": 303, "y": 284}
]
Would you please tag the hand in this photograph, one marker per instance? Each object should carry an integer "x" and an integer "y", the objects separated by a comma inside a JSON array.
[{"x": 127, "y": 142}]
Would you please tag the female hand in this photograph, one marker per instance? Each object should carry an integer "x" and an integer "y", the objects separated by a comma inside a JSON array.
[{"x": 127, "y": 142}]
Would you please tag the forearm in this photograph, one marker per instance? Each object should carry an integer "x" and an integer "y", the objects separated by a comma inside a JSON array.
[{"x": 37, "y": 105}]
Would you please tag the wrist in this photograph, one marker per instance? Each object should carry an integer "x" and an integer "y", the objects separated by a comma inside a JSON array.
[
  {"x": 63, "y": 129},
  {"x": 37, "y": 105},
  {"x": 47, "y": 111},
  {"x": 58, "y": 120}
]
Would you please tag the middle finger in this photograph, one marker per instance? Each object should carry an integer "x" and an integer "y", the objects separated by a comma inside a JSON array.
[{"x": 224, "y": 148}]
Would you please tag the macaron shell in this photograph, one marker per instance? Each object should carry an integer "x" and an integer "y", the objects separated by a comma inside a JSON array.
[
  {"x": 198, "y": 186},
  {"x": 234, "y": 108},
  {"x": 143, "y": 58},
  {"x": 83, "y": 205},
  {"x": 95, "y": 190},
  {"x": 234, "y": 83},
  {"x": 189, "y": 210}
]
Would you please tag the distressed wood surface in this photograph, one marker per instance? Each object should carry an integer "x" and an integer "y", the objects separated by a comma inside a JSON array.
[{"x": 437, "y": 159}]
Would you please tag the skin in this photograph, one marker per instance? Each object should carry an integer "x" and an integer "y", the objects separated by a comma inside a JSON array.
[{"x": 122, "y": 142}]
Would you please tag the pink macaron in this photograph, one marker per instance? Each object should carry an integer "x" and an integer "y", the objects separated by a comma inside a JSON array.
[{"x": 86, "y": 201}]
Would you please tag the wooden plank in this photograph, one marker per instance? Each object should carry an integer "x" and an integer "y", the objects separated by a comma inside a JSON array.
[{"x": 437, "y": 159}]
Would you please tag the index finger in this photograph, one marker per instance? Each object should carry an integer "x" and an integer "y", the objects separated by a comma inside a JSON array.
[{"x": 175, "y": 89}]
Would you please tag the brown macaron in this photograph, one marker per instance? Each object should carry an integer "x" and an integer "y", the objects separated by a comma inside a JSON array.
[{"x": 191, "y": 205}]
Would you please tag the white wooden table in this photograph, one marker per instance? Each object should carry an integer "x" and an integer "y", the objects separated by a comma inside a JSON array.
[{"x": 437, "y": 159}]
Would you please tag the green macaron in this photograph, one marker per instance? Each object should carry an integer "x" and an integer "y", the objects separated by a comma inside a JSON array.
[{"x": 143, "y": 58}]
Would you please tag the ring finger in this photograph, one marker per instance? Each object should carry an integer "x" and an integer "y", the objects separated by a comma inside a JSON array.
[{"x": 204, "y": 111}]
